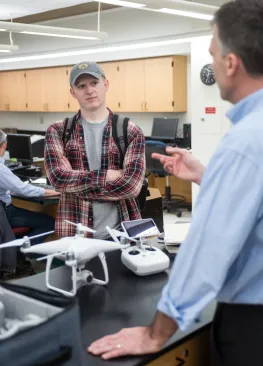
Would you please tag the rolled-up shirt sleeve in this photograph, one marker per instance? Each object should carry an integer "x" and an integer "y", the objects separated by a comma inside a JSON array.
[{"x": 224, "y": 205}]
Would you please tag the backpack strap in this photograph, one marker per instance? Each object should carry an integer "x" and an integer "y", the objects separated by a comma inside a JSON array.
[
  {"x": 120, "y": 137},
  {"x": 120, "y": 134},
  {"x": 69, "y": 125}
]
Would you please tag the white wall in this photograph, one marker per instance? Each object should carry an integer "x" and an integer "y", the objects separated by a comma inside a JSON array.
[
  {"x": 41, "y": 121},
  {"x": 207, "y": 129}
]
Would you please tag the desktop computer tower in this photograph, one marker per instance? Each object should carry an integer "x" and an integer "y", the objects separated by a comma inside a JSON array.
[{"x": 187, "y": 135}]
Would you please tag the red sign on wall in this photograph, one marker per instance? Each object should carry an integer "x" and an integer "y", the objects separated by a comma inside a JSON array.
[{"x": 210, "y": 110}]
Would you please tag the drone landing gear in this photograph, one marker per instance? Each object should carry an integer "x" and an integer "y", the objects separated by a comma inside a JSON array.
[
  {"x": 73, "y": 265},
  {"x": 80, "y": 276}
]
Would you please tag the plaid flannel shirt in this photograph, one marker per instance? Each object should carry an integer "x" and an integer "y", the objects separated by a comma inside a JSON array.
[{"x": 68, "y": 171}]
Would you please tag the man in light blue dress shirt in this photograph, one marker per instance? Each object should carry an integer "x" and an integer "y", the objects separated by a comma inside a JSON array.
[{"x": 222, "y": 256}]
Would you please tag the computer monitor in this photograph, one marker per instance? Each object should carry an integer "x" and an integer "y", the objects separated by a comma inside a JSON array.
[
  {"x": 20, "y": 148},
  {"x": 165, "y": 128}
]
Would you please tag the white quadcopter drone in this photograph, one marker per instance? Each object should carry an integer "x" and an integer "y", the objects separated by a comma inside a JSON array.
[{"x": 76, "y": 251}]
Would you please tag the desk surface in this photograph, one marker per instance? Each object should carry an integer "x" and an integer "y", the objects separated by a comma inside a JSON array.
[
  {"x": 40, "y": 200},
  {"x": 128, "y": 300}
]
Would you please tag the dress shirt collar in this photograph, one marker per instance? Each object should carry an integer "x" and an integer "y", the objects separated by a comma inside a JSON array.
[{"x": 245, "y": 106}]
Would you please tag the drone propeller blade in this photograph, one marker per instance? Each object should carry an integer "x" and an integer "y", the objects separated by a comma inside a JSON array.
[
  {"x": 13, "y": 243},
  {"x": 39, "y": 235},
  {"x": 72, "y": 223},
  {"x": 87, "y": 229},
  {"x": 82, "y": 227},
  {"x": 51, "y": 256},
  {"x": 123, "y": 234},
  {"x": 20, "y": 242}
]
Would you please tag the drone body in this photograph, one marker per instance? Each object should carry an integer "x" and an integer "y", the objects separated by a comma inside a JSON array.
[
  {"x": 76, "y": 251},
  {"x": 84, "y": 248}
]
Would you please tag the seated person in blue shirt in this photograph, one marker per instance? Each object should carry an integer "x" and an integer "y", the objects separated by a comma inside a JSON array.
[
  {"x": 19, "y": 217},
  {"x": 222, "y": 256}
]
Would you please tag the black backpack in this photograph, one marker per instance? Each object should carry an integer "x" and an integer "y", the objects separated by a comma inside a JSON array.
[{"x": 120, "y": 137}]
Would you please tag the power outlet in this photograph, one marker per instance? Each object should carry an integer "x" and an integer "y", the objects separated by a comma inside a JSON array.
[{"x": 41, "y": 120}]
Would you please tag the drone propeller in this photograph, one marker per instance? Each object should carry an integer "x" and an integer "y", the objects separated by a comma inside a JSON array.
[
  {"x": 20, "y": 242},
  {"x": 123, "y": 234},
  {"x": 81, "y": 227}
]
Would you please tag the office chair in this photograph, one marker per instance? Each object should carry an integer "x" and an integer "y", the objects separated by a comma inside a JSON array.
[{"x": 155, "y": 167}]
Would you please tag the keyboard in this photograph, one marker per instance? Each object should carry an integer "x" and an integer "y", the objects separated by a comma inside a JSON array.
[{"x": 11, "y": 164}]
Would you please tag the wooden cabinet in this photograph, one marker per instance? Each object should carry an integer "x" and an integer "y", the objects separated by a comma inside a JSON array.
[
  {"x": 56, "y": 87},
  {"x": 148, "y": 85},
  {"x": 145, "y": 85},
  {"x": 73, "y": 105},
  {"x": 48, "y": 90},
  {"x": 13, "y": 91},
  {"x": 159, "y": 84},
  {"x": 35, "y": 92},
  {"x": 194, "y": 352},
  {"x": 178, "y": 186},
  {"x": 132, "y": 86},
  {"x": 112, "y": 72}
]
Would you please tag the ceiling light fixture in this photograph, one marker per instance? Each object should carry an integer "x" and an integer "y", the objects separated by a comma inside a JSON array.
[
  {"x": 8, "y": 48},
  {"x": 127, "y": 4},
  {"x": 52, "y": 31},
  {"x": 189, "y": 14},
  {"x": 59, "y": 35},
  {"x": 109, "y": 49}
]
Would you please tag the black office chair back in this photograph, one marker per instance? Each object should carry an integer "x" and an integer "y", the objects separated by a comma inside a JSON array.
[{"x": 153, "y": 165}]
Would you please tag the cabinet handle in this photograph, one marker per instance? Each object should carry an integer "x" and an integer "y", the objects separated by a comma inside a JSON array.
[
  {"x": 119, "y": 104},
  {"x": 26, "y": 105},
  {"x": 68, "y": 105},
  {"x": 146, "y": 106}
]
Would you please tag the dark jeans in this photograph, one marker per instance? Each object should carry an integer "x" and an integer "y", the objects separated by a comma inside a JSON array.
[
  {"x": 7, "y": 255},
  {"x": 38, "y": 222},
  {"x": 237, "y": 335}
]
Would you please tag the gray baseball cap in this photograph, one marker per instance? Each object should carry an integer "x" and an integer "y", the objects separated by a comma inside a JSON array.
[{"x": 86, "y": 67}]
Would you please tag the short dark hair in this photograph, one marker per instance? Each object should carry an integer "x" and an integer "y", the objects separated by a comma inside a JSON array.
[{"x": 240, "y": 27}]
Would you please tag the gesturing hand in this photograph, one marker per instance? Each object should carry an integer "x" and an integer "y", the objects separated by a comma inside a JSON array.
[{"x": 182, "y": 164}]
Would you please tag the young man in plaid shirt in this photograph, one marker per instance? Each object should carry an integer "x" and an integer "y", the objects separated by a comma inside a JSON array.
[{"x": 86, "y": 169}]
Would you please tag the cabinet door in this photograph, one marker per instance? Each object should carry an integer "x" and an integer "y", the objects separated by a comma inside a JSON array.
[
  {"x": 48, "y": 89},
  {"x": 194, "y": 352},
  {"x": 72, "y": 103},
  {"x": 36, "y": 94},
  {"x": 159, "y": 85},
  {"x": 132, "y": 86},
  {"x": 180, "y": 83},
  {"x": 13, "y": 91},
  {"x": 56, "y": 87},
  {"x": 113, "y": 75}
]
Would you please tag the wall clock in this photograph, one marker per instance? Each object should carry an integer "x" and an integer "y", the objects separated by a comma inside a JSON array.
[{"x": 207, "y": 75}]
